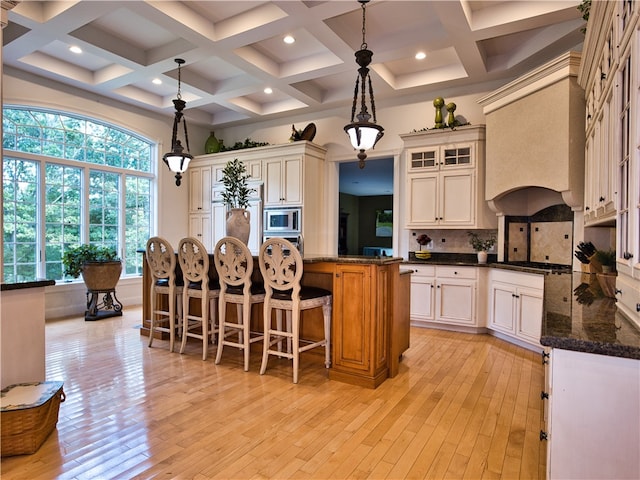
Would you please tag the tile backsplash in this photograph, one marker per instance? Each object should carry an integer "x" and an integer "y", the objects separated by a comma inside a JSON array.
[{"x": 448, "y": 241}]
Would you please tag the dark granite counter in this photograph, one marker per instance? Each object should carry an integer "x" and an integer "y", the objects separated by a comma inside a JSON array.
[
  {"x": 24, "y": 285},
  {"x": 579, "y": 317},
  {"x": 362, "y": 259}
]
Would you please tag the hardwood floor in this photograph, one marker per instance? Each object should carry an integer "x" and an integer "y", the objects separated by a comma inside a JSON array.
[{"x": 463, "y": 406}]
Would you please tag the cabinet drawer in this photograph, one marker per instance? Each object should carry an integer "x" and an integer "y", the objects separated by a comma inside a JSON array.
[
  {"x": 470, "y": 273},
  {"x": 422, "y": 270}
]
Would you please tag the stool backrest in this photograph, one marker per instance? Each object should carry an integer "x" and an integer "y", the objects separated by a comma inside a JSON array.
[
  {"x": 234, "y": 263},
  {"x": 194, "y": 261},
  {"x": 161, "y": 258},
  {"x": 281, "y": 266}
]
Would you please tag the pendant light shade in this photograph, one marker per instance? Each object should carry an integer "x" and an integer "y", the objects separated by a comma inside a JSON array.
[
  {"x": 363, "y": 133},
  {"x": 177, "y": 159}
]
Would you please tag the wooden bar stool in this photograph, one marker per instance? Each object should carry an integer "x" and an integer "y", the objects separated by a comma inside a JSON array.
[
  {"x": 281, "y": 267},
  {"x": 161, "y": 259},
  {"x": 234, "y": 264},
  {"x": 194, "y": 263}
]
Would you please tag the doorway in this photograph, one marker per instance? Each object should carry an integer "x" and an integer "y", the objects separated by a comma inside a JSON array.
[{"x": 366, "y": 208}]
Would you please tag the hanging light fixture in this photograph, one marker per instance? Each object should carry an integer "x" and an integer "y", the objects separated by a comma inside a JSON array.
[
  {"x": 363, "y": 133},
  {"x": 178, "y": 160}
]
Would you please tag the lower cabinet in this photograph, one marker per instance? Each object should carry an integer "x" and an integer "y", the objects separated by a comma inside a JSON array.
[
  {"x": 516, "y": 305},
  {"x": 444, "y": 295},
  {"x": 200, "y": 228},
  {"x": 593, "y": 427}
]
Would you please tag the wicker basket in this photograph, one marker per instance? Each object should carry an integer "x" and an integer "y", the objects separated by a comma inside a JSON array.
[{"x": 25, "y": 426}]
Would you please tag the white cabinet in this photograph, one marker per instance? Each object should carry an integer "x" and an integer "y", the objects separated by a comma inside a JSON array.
[
  {"x": 445, "y": 179},
  {"x": 516, "y": 305},
  {"x": 283, "y": 181},
  {"x": 422, "y": 294},
  {"x": 200, "y": 228},
  {"x": 444, "y": 295},
  {"x": 593, "y": 428},
  {"x": 200, "y": 189},
  {"x": 291, "y": 174}
]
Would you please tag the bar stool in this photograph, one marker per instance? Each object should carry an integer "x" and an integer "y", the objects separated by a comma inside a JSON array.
[
  {"x": 281, "y": 267},
  {"x": 234, "y": 264},
  {"x": 161, "y": 259},
  {"x": 194, "y": 263}
]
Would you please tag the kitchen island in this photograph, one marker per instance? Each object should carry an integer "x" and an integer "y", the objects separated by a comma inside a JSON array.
[{"x": 370, "y": 324}]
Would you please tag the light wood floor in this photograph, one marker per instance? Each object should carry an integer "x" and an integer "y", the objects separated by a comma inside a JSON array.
[{"x": 463, "y": 406}]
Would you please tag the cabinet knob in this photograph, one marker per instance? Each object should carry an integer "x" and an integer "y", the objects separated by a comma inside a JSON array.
[
  {"x": 543, "y": 435},
  {"x": 627, "y": 255},
  {"x": 637, "y": 307},
  {"x": 337, "y": 275},
  {"x": 617, "y": 291},
  {"x": 602, "y": 199},
  {"x": 544, "y": 395},
  {"x": 586, "y": 208}
]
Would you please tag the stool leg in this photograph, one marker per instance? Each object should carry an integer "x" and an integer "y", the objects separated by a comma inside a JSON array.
[
  {"x": 245, "y": 315},
  {"x": 266, "y": 312},
  {"x": 326, "y": 312},
  {"x": 185, "y": 320},
  {"x": 153, "y": 314},
  {"x": 171, "y": 299},
  {"x": 293, "y": 326},
  {"x": 222, "y": 328},
  {"x": 204, "y": 302}
]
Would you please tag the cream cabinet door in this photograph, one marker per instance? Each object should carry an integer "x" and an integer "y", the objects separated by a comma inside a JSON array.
[
  {"x": 200, "y": 189},
  {"x": 283, "y": 181},
  {"x": 455, "y": 301},
  {"x": 501, "y": 307},
  {"x": 456, "y": 198},
  {"x": 200, "y": 228},
  {"x": 423, "y": 200},
  {"x": 529, "y": 317},
  {"x": 422, "y": 298}
]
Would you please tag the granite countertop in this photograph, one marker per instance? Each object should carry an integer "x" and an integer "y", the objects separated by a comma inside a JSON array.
[
  {"x": 366, "y": 260},
  {"x": 580, "y": 317},
  {"x": 24, "y": 285}
]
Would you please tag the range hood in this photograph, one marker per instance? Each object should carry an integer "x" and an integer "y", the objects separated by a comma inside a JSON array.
[{"x": 535, "y": 140}]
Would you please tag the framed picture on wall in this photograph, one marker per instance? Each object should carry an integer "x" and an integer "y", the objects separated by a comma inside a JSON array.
[{"x": 384, "y": 223}]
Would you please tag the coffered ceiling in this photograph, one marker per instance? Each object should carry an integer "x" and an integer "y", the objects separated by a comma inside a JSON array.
[{"x": 234, "y": 50}]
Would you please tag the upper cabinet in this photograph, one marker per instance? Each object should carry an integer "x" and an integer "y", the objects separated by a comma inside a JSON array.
[
  {"x": 200, "y": 189},
  {"x": 283, "y": 181},
  {"x": 609, "y": 76},
  {"x": 445, "y": 179},
  {"x": 292, "y": 174}
]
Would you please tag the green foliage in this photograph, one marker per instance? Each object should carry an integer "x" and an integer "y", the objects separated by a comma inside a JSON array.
[
  {"x": 585, "y": 8},
  {"x": 248, "y": 143},
  {"x": 74, "y": 257},
  {"x": 479, "y": 244},
  {"x": 236, "y": 191},
  {"x": 606, "y": 257}
]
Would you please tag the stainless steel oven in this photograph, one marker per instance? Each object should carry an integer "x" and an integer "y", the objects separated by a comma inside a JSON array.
[{"x": 279, "y": 221}]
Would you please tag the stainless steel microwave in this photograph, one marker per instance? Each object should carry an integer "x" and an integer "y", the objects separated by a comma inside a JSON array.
[{"x": 278, "y": 220}]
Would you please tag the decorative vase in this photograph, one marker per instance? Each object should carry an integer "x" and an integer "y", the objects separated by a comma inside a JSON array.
[
  {"x": 212, "y": 145},
  {"x": 482, "y": 257},
  {"x": 239, "y": 224}
]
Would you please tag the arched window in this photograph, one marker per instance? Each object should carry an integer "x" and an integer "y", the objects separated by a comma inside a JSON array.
[{"x": 69, "y": 180}]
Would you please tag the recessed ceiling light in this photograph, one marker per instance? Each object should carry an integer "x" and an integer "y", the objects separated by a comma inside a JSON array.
[
  {"x": 268, "y": 90},
  {"x": 421, "y": 56},
  {"x": 156, "y": 81},
  {"x": 289, "y": 39},
  {"x": 75, "y": 49}
]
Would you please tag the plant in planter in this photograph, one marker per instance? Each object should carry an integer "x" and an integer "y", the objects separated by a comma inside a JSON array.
[
  {"x": 606, "y": 258},
  {"x": 481, "y": 245},
  {"x": 236, "y": 197},
  {"x": 100, "y": 268}
]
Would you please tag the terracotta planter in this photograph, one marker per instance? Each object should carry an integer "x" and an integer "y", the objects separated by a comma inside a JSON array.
[
  {"x": 101, "y": 276},
  {"x": 239, "y": 224}
]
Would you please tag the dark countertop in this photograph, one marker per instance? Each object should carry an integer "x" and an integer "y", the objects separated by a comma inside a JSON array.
[
  {"x": 24, "y": 285},
  {"x": 366, "y": 260},
  {"x": 579, "y": 317}
]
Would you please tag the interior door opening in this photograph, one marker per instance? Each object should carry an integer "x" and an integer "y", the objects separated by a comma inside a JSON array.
[{"x": 365, "y": 222}]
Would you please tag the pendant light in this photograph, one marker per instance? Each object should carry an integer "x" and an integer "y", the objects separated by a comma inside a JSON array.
[
  {"x": 363, "y": 134},
  {"x": 178, "y": 160}
]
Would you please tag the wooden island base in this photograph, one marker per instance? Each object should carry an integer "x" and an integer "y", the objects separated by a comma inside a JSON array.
[{"x": 370, "y": 315}]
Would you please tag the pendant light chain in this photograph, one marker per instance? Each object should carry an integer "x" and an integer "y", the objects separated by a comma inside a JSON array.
[{"x": 364, "y": 41}]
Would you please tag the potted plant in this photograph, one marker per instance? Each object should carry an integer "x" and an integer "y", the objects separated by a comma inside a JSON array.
[
  {"x": 481, "y": 245},
  {"x": 100, "y": 268},
  {"x": 236, "y": 197},
  {"x": 607, "y": 259}
]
